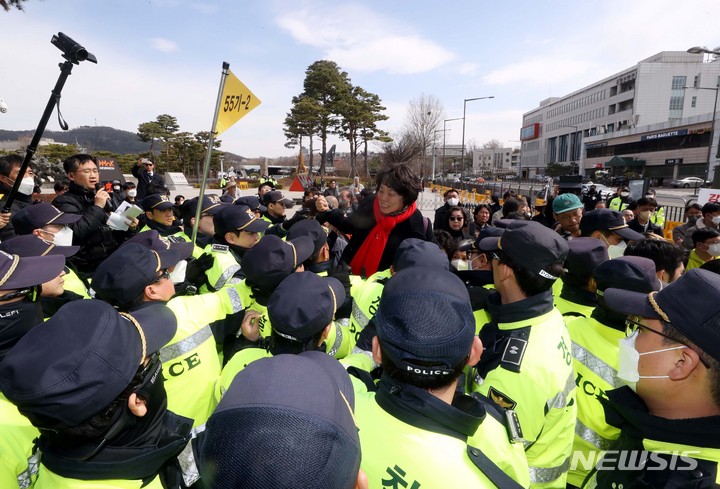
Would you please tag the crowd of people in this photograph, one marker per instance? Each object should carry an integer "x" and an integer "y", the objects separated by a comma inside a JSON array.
[{"x": 357, "y": 343}]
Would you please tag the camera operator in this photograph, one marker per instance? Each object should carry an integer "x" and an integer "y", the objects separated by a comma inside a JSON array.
[
  {"x": 10, "y": 167},
  {"x": 90, "y": 232}
]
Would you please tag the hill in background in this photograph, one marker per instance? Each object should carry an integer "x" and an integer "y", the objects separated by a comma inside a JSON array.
[{"x": 93, "y": 138}]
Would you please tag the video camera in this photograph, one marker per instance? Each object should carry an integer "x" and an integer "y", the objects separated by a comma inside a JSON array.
[{"x": 72, "y": 51}]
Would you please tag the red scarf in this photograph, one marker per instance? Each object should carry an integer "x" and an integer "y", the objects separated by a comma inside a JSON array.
[{"x": 368, "y": 257}]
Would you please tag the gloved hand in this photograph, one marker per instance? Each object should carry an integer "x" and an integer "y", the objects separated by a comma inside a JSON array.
[
  {"x": 299, "y": 216},
  {"x": 196, "y": 268}
]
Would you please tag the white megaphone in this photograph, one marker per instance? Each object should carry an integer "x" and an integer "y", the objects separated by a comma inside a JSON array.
[{"x": 3, "y": 106}]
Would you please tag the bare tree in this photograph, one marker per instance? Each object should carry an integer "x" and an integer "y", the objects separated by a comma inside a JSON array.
[
  {"x": 425, "y": 115},
  {"x": 493, "y": 144}
]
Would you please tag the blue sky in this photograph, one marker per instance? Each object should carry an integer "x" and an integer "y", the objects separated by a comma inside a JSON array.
[{"x": 165, "y": 56}]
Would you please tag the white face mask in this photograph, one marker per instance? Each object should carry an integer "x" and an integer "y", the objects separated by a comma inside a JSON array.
[
  {"x": 615, "y": 251},
  {"x": 629, "y": 358},
  {"x": 27, "y": 185},
  {"x": 716, "y": 220},
  {"x": 645, "y": 215},
  {"x": 453, "y": 201},
  {"x": 624, "y": 194},
  {"x": 132, "y": 192},
  {"x": 63, "y": 237},
  {"x": 178, "y": 274},
  {"x": 460, "y": 265},
  {"x": 714, "y": 249}
]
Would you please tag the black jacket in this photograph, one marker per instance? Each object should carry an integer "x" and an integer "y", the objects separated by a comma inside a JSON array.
[
  {"x": 635, "y": 225},
  {"x": 21, "y": 201},
  {"x": 94, "y": 237},
  {"x": 362, "y": 221},
  {"x": 144, "y": 180}
]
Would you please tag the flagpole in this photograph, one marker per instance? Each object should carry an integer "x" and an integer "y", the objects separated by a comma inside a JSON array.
[{"x": 206, "y": 168}]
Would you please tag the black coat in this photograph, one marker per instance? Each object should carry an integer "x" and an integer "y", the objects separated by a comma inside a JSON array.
[
  {"x": 21, "y": 201},
  {"x": 145, "y": 180},
  {"x": 94, "y": 237},
  {"x": 362, "y": 221}
]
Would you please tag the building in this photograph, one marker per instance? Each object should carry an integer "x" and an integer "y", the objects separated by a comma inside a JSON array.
[
  {"x": 493, "y": 161},
  {"x": 652, "y": 119}
]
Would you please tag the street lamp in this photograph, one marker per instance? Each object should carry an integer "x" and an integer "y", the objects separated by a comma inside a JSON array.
[
  {"x": 433, "y": 150},
  {"x": 703, "y": 50},
  {"x": 443, "y": 153},
  {"x": 462, "y": 151}
]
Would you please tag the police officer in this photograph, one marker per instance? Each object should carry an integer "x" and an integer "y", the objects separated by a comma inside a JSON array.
[
  {"x": 237, "y": 229},
  {"x": 595, "y": 346},
  {"x": 265, "y": 266},
  {"x": 411, "y": 252},
  {"x": 610, "y": 227},
  {"x": 101, "y": 410},
  {"x": 341, "y": 338},
  {"x": 298, "y": 433},
  {"x": 621, "y": 200},
  {"x": 669, "y": 411},
  {"x": 302, "y": 309},
  {"x": 47, "y": 222},
  {"x": 211, "y": 205},
  {"x": 415, "y": 429},
  {"x": 19, "y": 313},
  {"x": 51, "y": 294},
  {"x": 276, "y": 204},
  {"x": 159, "y": 215},
  {"x": 527, "y": 364},
  {"x": 135, "y": 277},
  {"x": 577, "y": 296}
]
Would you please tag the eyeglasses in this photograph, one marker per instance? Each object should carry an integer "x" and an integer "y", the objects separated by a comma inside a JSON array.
[
  {"x": 94, "y": 171},
  {"x": 149, "y": 164},
  {"x": 163, "y": 275},
  {"x": 453, "y": 218},
  {"x": 632, "y": 325},
  {"x": 495, "y": 256}
]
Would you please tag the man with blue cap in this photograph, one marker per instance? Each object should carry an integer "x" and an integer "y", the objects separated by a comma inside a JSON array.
[
  {"x": 416, "y": 430},
  {"x": 527, "y": 364},
  {"x": 285, "y": 421},
  {"x": 302, "y": 310},
  {"x": 595, "y": 353},
  {"x": 20, "y": 312},
  {"x": 136, "y": 277},
  {"x": 101, "y": 410},
  {"x": 669, "y": 409},
  {"x": 159, "y": 215}
]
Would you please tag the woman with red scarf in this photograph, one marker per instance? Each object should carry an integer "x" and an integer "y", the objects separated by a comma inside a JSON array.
[{"x": 381, "y": 222}]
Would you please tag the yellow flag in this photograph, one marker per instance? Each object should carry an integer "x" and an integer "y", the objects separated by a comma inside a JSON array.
[{"x": 237, "y": 100}]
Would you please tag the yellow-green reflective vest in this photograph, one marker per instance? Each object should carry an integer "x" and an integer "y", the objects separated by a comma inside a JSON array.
[
  {"x": 570, "y": 308},
  {"x": 50, "y": 480},
  {"x": 190, "y": 360},
  {"x": 366, "y": 298},
  {"x": 542, "y": 393},
  {"x": 223, "y": 269},
  {"x": 595, "y": 358},
  {"x": 180, "y": 237},
  {"x": 16, "y": 444},
  {"x": 617, "y": 204},
  {"x": 397, "y": 454},
  {"x": 684, "y": 459},
  {"x": 74, "y": 284},
  {"x": 238, "y": 362}
]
